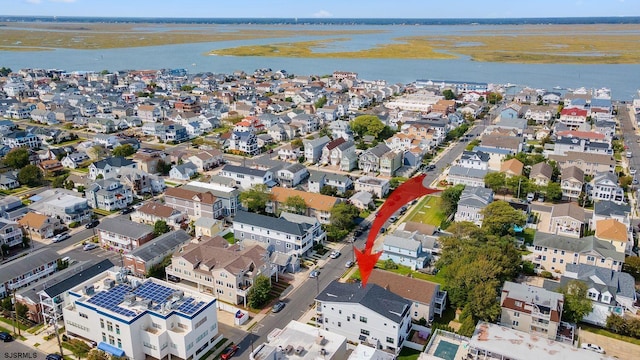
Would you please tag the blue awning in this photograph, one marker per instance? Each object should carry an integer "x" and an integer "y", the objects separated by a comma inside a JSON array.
[
  {"x": 517, "y": 228},
  {"x": 110, "y": 349}
]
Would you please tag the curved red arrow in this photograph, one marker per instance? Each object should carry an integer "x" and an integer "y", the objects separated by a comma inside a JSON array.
[{"x": 404, "y": 194}]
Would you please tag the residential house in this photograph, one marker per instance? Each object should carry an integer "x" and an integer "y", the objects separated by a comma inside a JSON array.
[
  {"x": 313, "y": 149},
  {"x": 466, "y": 176},
  {"x": 65, "y": 205},
  {"x": 101, "y": 125},
  {"x": 360, "y": 313},
  {"x": 207, "y": 159},
  {"x": 377, "y": 186},
  {"x": 242, "y": 142},
  {"x": 573, "y": 117},
  {"x": 174, "y": 133},
  {"x": 541, "y": 173},
  {"x": 140, "y": 182},
  {"x": 9, "y": 180},
  {"x": 195, "y": 204},
  {"x": 10, "y": 233},
  {"x": 341, "y": 128},
  {"x": 147, "y": 159},
  {"x": 590, "y": 164},
  {"x": 473, "y": 201},
  {"x": 512, "y": 167},
  {"x": 151, "y": 212},
  {"x": 318, "y": 205},
  {"x": 427, "y": 302},
  {"x": 513, "y": 144},
  {"x": 610, "y": 291},
  {"x": 122, "y": 235},
  {"x": 282, "y": 132},
  {"x": 289, "y": 152},
  {"x": 21, "y": 139},
  {"x": 292, "y": 175},
  {"x": 34, "y": 266},
  {"x": 391, "y": 162},
  {"x": 553, "y": 252},
  {"x": 289, "y": 234},
  {"x": 227, "y": 195},
  {"x": 571, "y": 182},
  {"x": 183, "y": 171},
  {"x": 540, "y": 114},
  {"x": 567, "y": 219},
  {"x": 150, "y": 113},
  {"x": 246, "y": 177},
  {"x": 40, "y": 225},
  {"x": 208, "y": 227},
  {"x": 603, "y": 210},
  {"x": 44, "y": 117},
  {"x": 363, "y": 200},
  {"x": 369, "y": 160},
  {"x": 474, "y": 160},
  {"x": 406, "y": 248},
  {"x": 228, "y": 271},
  {"x": 616, "y": 233},
  {"x": 106, "y": 140},
  {"x": 12, "y": 208},
  {"x": 75, "y": 160},
  {"x": 531, "y": 309},
  {"x": 604, "y": 186},
  {"x": 320, "y": 179},
  {"x": 140, "y": 260},
  {"x": 110, "y": 167},
  {"x": 109, "y": 195}
]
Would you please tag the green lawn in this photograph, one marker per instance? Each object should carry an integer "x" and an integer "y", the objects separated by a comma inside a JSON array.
[
  {"x": 408, "y": 354},
  {"x": 229, "y": 237},
  {"x": 405, "y": 270},
  {"x": 428, "y": 211},
  {"x": 607, "y": 333},
  {"x": 528, "y": 235}
]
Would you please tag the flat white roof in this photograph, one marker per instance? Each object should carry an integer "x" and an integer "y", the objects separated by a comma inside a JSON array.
[
  {"x": 301, "y": 342},
  {"x": 216, "y": 187}
]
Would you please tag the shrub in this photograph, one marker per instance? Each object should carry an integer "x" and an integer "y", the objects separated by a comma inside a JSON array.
[
  {"x": 546, "y": 274},
  {"x": 74, "y": 224}
]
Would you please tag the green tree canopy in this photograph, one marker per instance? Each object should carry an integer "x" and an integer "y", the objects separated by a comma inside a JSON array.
[
  {"x": 448, "y": 94},
  {"x": 495, "y": 181},
  {"x": 163, "y": 167},
  {"x": 96, "y": 354},
  {"x": 499, "y": 218},
  {"x": 632, "y": 266},
  {"x": 553, "y": 191},
  {"x": 295, "y": 204},
  {"x": 258, "y": 294},
  {"x": 367, "y": 125},
  {"x": 320, "y": 102},
  {"x": 124, "y": 150},
  {"x": 160, "y": 227},
  {"x": 520, "y": 185},
  {"x": 343, "y": 215},
  {"x": 329, "y": 190},
  {"x": 576, "y": 303},
  {"x": 17, "y": 158},
  {"x": 450, "y": 198},
  {"x": 255, "y": 199},
  {"x": 30, "y": 175}
]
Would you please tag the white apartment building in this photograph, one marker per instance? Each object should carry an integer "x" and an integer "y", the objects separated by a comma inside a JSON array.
[
  {"x": 142, "y": 319},
  {"x": 369, "y": 315}
]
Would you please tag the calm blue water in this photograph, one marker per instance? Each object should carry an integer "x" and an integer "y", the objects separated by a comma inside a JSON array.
[{"x": 624, "y": 80}]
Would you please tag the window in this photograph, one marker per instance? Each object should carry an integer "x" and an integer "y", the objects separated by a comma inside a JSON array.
[
  {"x": 339, "y": 324},
  {"x": 112, "y": 340},
  {"x": 109, "y": 326},
  {"x": 364, "y": 332},
  {"x": 83, "y": 315},
  {"x": 516, "y": 314},
  {"x": 102, "y": 324},
  {"x": 363, "y": 319},
  {"x": 390, "y": 340},
  {"x": 120, "y": 343},
  {"x": 515, "y": 323},
  {"x": 104, "y": 337}
]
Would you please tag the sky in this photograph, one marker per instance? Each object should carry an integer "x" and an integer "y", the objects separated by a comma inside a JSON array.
[{"x": 425, "y": 9}]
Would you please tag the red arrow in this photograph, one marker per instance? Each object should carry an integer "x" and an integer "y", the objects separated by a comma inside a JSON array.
[{"x": 404, "y": 194}]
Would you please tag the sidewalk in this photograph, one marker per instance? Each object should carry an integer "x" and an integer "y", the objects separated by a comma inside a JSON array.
[{"x": 38, "y": 342}]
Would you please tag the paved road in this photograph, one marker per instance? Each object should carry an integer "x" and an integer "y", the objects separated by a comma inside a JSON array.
[{"x": 18, "y": 350}]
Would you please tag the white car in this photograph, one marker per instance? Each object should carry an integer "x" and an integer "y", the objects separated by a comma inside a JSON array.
[
  {"x": 334, "y": 254},
  {"x": 89, "y": 246},
  {"x": 632, "y": 171},
  {"x": 593, "y": 347},
  {"x": 61, "y": 237},
  {"x": 348, "y": 264}
]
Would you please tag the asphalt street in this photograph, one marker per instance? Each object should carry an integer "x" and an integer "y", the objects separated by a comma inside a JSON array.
[{"x": 18, "y": 350}]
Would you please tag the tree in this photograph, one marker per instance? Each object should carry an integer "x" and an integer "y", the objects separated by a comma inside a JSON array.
[
  {"x": 499, "y": 218},
  {"x": 255, "y": 199},
  {"x": 389, "y": 264},
  {"x": 576, "y": 303},
  {"x": 367, "y": 125},
  {"x": 450, "y": 198},
  {"x": 329, "y": 190},
  {"x": 495, "y": 181},
  {"x": 258, "y": 294},
  {"x": 163, "y": 167},
  {"x": 320, "y": 102},
  {"x": 343, "y": 215},
  {"x": 632, "y": 266},
  {"x": 6, "y": 304},
  {"x": 494, "y": 98},
  {"x": 297, "y": 143},
  {"x": 520, "y": 186},
  {"x": 21, "y": 310},
  {"x": 30, "y": 175},
  {"x": 96, "y": 354},
  {"x": 553, "y": 191},
  {"x": 58, "y": 181},
  {"x": 17, "y": 158},
  {"x": 160, "y": 227},
  {"x": 124, "y": 150},
  {"x": 295, "y": 204},
  {"x": 4, "y": 71},
  {"x": 482, "y": 301},
  {"x": 448, "y": 94}
]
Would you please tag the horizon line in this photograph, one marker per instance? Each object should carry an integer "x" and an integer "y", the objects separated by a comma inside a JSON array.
[{"x": 322, "y": 18}]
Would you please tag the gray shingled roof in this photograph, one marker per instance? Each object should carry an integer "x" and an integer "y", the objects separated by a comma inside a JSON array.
[
  {"x": 161, "y": 245},
  {"x": 13, "y": 269},
  {"x": 581, "y": 245},
  {"x": 268, "y": 222},
  {"x": 243, "y": 170},
  {"x": 379, "y": 150},
  {"x": 458, "y": 170},
  {"x": 617, "y": 283},
  {"x": 124, "y": 227},
  {"x": 373, "y": 297},
  {"x": 609, "y": 208},
  {"x": 116, "y": 161}
]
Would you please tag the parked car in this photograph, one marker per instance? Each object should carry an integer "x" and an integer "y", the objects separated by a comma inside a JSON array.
[
  {"x": 593, "y": 347},
  {"x": 92, "y": 224},
  {"x": 348, "y": 264},
  {"x": 357, "y": 232},
  {"x": 632, "y": 171},
  {"x": 277, "y": 307},
  {"x": 61, "y": 237},
  {"x": 530, "y": 197},
  {"x": 229, "y": 352},
  {"x": 173, "y": 278},
  {"x": 89, "y": 246},
  {"x": 6, "y": 337},
  {"x": 54, "y": 357},
  {"x": 126, "y": 211},
  {"x": 314, "y": 274},
  {"x": 334, "y": 254}
]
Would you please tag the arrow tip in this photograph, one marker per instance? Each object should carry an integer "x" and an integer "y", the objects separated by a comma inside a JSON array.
[{"x": 366, "y": 262}]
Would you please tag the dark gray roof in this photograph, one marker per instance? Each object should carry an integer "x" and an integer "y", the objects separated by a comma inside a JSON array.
[
  {"x": 483, "y": 156},
  {"x": 161, "y": 245},
  {"x": 294, "y": 168},
  {"x": 372, "y": 296},
  {"x": 581, "y": 245},
  {"x": 23, "y": 265},
  {"x": 609, "y": 208},
  {"x": 116, "y": 161},
  {"x": 244, "y": 170},
  {"x": 458, "y": 170},
  {"x": 617, "y": 283},
  {"x": 476, "y": 197},
  {"x": 572, "y": 172},
  {"x": 379, "y": 150},
  {"x": 322, "y": 141},
  {"x": 124, "y": 227},
  {"x": 76, "y": 276},
  {"x": 268, "y": 222}
]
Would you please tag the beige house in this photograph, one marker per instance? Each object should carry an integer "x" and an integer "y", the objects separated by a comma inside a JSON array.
[
  {"x": 207, "y": 160},
  {"x": 318, "y": 205},
  {"x": 616, "y": 233},
  {"x": 208, "y": 227},
  {"x": 571, "y": 182},
  {"x": 151, "y": 212},
  {"x": 589, "y": 163},
  {"x": 553, "y": 252},
  {"x": 531, "y": 309},
  {"x": 512, "y": 167},
  {"x": 217, "y": 268},
  {"x": 567, "y": 220},
  {"x": 40, "y": 225},
  {"x": 541, "y": 174}
]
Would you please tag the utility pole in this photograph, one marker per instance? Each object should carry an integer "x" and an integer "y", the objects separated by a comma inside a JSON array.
[
  {"x": 55, "y": 328},
  {"x": 15, "y": 312}
]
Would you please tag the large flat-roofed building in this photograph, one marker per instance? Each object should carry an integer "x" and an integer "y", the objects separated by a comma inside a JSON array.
[
  {"x": 142, "y": 319},
  {"x": 66, "y": 205},
  {"x": 301, "y": 342}
]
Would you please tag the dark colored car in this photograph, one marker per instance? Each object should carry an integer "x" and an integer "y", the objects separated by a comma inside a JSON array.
[
  {"x": 357, "y": 232},
  {"x": 54, "y": 357},
  {"x": 278, "y": 307},
  {"x": 126, "y": 211},
  {"x": 92, "y": 224},
  {"x": 6, "y": 337},
  {"x": 229, "y": 352}
]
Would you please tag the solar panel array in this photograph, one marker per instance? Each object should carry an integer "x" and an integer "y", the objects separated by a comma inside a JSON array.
[{"x": 112, "y": 298}]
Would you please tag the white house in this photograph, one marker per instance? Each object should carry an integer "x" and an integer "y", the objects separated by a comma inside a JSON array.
[
  {"x": 247, "y": 177},
  {"x": 292, "y": 175},
  {"x": 369, "y": 315},
  {"x": 472, "y": 201},
  {"x": 183, "y": 171},
  {"x": 110, "y": 167},
  {"x": 377, "y": 186},
  {"x": 74, "y": 160}
]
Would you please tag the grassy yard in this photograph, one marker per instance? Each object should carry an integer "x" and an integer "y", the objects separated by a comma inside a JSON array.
[
  {"x": 15, "y": 191},
  {"x": 10, "y": 322},
  {"x": 405, "y": 270},
  {"x": 607, "y": 333},
  {"x": 428, "y": 211},
  {"x": 528, "y": 235},
  {"x": 229, "y": 237},
  {"x": 408, "y": 354}
]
